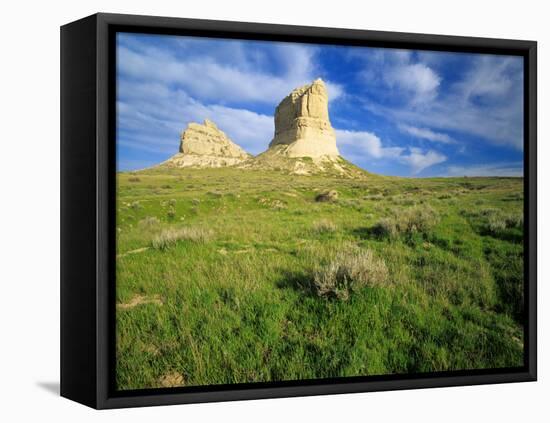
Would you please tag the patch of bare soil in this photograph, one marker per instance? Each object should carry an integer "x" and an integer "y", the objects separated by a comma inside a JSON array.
[
  {"x": 136, "y": 251},
  {"x": 139, "y": 300},
  {"x": 171, "y": 380},
  {"x": 151, "y": 349}
]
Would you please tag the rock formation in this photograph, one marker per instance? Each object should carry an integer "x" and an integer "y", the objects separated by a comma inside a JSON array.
[
  {"x": 304, "y": 142},
  {"x": 302, "y": 123},
  {"x": 206, "y": 146}
]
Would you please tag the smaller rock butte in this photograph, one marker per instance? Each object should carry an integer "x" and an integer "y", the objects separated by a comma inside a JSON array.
[
  {"x": 204, "y": 145},
  {"x": 302, "y": 123}
]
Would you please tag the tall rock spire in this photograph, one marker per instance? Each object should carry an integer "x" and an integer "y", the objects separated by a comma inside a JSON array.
[{"x": 302, "y": 123}]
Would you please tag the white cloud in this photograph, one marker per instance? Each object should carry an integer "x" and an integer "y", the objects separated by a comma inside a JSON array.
[
  {"x": 152, "y": 120},
  {"x": 492, "y": 169},
  {"x": 363, "y": 143},
  {"x": 409, "y": 80},
  {"x": 427, "y": 134},
  {"x": 335, "y": 91},
  {"x": 252, "y": 131},
  {"x": 419, "y": 160},
  {"x": 486, "y": 102},
  {"x": 416, "y": 78},
  {"x": 225, "y": 81},
  {"x": 488, "y": 78}
]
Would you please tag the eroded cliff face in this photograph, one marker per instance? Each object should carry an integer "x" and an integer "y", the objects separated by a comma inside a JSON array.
[
  {"x": 302, "y": 123},
  {"x": 204, "y": 145},
  {"x": 207, "y": 140}
]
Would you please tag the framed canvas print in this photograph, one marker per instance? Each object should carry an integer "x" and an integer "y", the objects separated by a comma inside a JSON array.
[{"x": 254, "y": 211}]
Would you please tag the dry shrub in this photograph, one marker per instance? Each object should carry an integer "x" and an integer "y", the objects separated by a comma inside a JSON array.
[
  {"x": 409, "y": 221},
  {"x": 351, "y": 270},
  {"x": 324, "y": 226},
  {"x": 327, "y": 197},
  {"x": 498, "y": 221},
  {"x": 133, "y": 179},
  {"x": 171, "y": 212},
  {"x": 149, "y": 222},
  {"x": 169, "y": 237},
  {"x": 135, "y": 205},
  {"x": 417, "y": 219}
]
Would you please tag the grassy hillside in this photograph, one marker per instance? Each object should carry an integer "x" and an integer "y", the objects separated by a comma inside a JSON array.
[{"x": 231, "y": 275}]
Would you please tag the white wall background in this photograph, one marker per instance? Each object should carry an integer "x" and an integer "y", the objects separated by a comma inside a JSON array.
[{"x": 29, "y": 235}]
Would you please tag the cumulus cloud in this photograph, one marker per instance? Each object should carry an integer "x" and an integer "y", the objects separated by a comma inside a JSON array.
[
  {"x": 397, "y": 71},
  {"x": 486, "y": 102},
  {"x": 364, "y": 143},
  {"x": 416, "y": 78}
]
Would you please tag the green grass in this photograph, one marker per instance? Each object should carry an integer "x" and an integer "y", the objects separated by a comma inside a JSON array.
[{"x": 219, "y": 267}]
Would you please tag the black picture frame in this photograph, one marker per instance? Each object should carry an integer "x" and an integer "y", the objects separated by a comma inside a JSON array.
[{"x": 87, "y": 211}]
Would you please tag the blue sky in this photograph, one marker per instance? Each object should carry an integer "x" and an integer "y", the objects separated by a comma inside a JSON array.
[{"x": 395, "y": 112}]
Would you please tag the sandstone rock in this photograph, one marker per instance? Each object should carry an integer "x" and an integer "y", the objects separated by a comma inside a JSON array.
[
  {"x": 329, "y": 196},
  {"x": 302, "y": 123},
  {"x": 204, "y": 145},
  {"x": 208, "y": 140}
]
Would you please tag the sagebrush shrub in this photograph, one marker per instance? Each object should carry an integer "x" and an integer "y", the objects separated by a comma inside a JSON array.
[
  {"x": 171, "y": 213},
  {"x": 169, "y": 237},
  {"x": 497, "y": 221},
  {"x": 351, "y": 270},
  {"x": 514, "y": 220},
  {"x": 149, "y": 222},
  {"x": 417, "y": 219}
]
